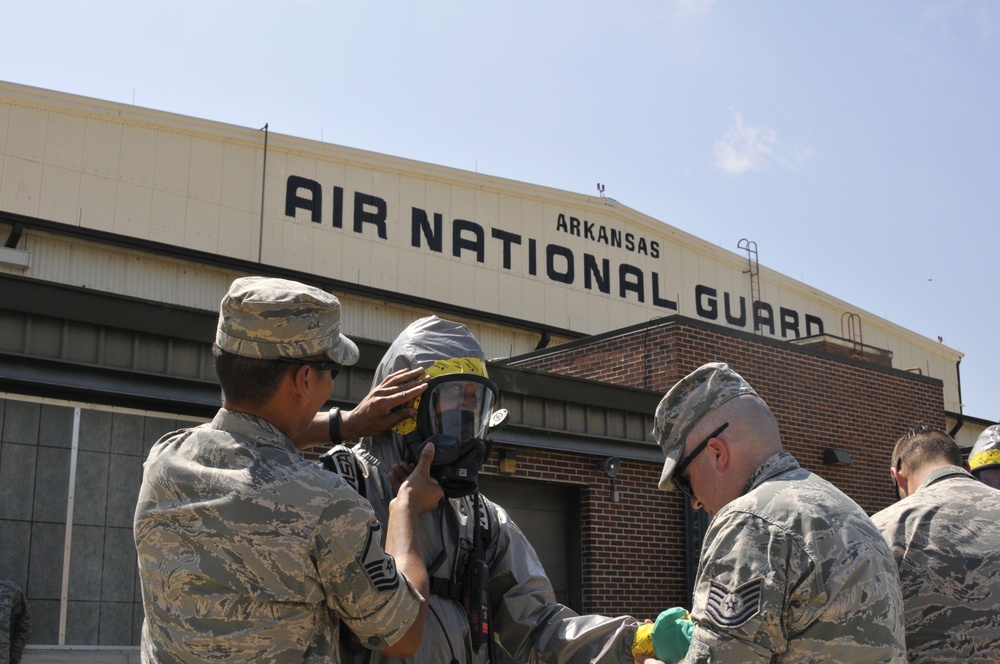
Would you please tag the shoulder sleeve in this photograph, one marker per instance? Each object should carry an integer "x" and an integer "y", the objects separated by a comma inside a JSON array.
[
  {"x": 747, "y": 571},
  {"x": 363, "y": 587},
  {"x": 528, "y": 620}
]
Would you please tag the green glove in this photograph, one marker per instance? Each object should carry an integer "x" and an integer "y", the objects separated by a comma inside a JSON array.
[{"x": 672, "y": 635}]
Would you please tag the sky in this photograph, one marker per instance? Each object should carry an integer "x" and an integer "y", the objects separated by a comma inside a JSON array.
[{"x": 856, "y": 142}]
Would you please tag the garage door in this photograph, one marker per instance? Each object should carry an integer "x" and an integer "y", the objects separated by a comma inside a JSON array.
[{"x": 549, "y": 515}]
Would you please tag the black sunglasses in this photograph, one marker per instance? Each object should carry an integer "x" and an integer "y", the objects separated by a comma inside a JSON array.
[
  {"x": 683, "y": 483},
  {"x": 321, "y": 365}
]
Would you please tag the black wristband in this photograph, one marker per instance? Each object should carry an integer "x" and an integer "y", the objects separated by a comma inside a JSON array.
[{"x": 334, "y": 425}]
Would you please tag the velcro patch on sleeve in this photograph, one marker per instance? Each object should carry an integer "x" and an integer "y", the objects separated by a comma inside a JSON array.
[
  {"x": 732, "y": 608},
  {"x": 378, "y": 565}
]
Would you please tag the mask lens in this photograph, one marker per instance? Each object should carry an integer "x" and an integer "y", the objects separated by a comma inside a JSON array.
[{"x": 461, "y": 409}]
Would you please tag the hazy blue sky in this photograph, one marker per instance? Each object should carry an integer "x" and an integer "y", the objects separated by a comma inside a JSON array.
[{"x": 855, "y": 142}]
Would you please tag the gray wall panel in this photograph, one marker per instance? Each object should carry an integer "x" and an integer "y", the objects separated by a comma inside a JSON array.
[
  {"x": 116, "y": 623},
  {"x": 123, "y": 490},
  {"x": 56, "y": 426},
  {"x": 45, "y": 564},
  {"x": 119, "y": 569},
  {"x": 95, "y": 430},
  {"x": 83, "y": 622},
  {"x": 51, "y": 484},
  {"x": 91, "y": 504},
  {"x": 16, "y": 538},
  {"x": 17, "y": 481},
  {"x": 127, "y": 434},
  {"x": 86, "y": 564},
  {"x": 20, "y": 422}
]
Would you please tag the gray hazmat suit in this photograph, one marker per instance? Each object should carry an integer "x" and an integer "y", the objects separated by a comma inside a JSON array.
[{"x": 528, "y": 622}]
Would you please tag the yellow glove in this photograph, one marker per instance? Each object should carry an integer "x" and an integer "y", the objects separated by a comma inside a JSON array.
[
  {"x": 642, "y": 644},
  {"x": 666, "y": 639}
]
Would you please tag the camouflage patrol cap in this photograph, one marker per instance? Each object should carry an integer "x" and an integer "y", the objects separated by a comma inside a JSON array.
[
  {"x": 704, "y": 389},
  {"x": 986, "y": 452},
  {"x": 269, "y": 319}
]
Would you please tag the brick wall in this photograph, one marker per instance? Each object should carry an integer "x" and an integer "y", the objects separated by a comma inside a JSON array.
[
  {"x": 633, "y": 553},
  {"x": 633, "y": 549},
  {"x": 820, "y": 400}
]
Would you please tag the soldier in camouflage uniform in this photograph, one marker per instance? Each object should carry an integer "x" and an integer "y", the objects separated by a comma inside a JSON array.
[
  {"x": 248, "y": 552},
  {"x": 945, "y": 536},
  {"x": 15, "y": 622},
  {"x": 529, "y": 624},
  {"x": 792, "y": 570}
]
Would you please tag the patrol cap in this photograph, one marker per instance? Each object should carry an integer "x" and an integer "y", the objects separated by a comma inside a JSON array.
[
  {"x": 267, "y": 318},
  {"x": 707, "y": 387},
  {"x": 986, "y": 452}
]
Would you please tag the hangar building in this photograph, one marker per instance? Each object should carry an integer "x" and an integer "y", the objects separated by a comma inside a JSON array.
[{"x": 122, "y": 228}]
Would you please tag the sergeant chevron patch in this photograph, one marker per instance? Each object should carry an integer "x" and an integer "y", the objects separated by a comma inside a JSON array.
[
  {"x": 732, "y": 608},
  {"x": 380, "y": 567}
]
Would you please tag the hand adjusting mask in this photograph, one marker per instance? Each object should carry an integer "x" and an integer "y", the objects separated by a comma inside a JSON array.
[{"x": 454, "y": 414}]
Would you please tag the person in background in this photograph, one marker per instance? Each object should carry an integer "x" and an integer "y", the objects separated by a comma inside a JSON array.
[
  {"x": 15, "y": 622},
  {"x": 791, "y": 569},
  {"x": 246, "y": 551},
  {"x": 984, "y": 460},
  {"x": 491, "y": 600},
  {"x": 945, "y": 536}
]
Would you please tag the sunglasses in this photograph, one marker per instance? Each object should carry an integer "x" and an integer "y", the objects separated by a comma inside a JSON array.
[
  {"x": 320, "y": 365},
  {"x": 683, "y": 483}
]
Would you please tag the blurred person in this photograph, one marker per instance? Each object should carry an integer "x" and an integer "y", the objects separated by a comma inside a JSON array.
[
  {"x": 491, "y": 600},
  {"x": 15, "y": 622},
  {"x": 945, "y": 537},
  {"x": 246, "y": 551},
  {"x": 984, "y": 460},
  {"x": 791, "y": 569}
]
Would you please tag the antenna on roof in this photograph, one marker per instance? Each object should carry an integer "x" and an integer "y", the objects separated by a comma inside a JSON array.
[{"x": 600, "y": 189}]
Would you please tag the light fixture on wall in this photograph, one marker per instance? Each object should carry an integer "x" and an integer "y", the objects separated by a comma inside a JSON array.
[
  {"x": 10, "y": 255},
  {"x": 507, "y": 462},
  {"x": 834, "y": 457},
  {"x": 15, "y": 258},
  {"x": 611, "y": 467}
]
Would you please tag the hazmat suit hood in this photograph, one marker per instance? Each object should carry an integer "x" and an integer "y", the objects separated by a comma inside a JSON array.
[{"x": 421, "y": 344}]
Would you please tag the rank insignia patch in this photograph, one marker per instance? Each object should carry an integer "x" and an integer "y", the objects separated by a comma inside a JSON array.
[
  {"x": 379, "y": 566},
  {"x": 732, "y": 608}
]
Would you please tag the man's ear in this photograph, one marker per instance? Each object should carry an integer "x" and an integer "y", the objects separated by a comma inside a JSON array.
[
  {"x": 902, "y": 481},
  {"x": 719, "y": 449},
  {"x": 300, "y": 380}
]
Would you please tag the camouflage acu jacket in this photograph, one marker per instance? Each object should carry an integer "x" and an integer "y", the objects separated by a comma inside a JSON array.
[
  {"x": 945, "y": 538},
  {"x": 249, "y": 553},
  {"x": 794, "y": 571}
]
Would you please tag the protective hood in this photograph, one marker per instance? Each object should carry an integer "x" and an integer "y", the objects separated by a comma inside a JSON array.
[{"x": 423, "y": 343}]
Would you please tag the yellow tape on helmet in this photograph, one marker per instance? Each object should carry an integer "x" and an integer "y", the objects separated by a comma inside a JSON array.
[
  {"x": 987, "y": 458},
  {"x": 454, "y": 365}
]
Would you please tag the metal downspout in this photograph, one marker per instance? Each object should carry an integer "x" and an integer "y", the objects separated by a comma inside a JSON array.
[{"x": 961, "y": 415}]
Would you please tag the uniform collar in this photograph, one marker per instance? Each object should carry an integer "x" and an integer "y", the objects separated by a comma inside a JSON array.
[
  {"x": 944, "y": 471},
  {"x": 259, "y": 430},
  {"x": 775, "y": 465}
]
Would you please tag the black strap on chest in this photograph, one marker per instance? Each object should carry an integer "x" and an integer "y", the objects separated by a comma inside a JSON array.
[
  {"x": 471, "y": 591},
  {"x": 342, "y": 461}
]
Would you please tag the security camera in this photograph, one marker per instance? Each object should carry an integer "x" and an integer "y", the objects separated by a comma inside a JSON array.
[{"x": 611, "y": 466}]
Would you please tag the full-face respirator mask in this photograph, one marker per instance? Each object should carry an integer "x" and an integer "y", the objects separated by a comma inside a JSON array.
[{"x": 455, "y": 413}]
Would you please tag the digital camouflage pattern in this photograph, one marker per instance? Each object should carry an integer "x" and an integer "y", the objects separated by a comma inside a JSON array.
[
  {"x": 794, "y": 571},
  {"x": 248, "y": 552},
  {"x": 945, "y": 538},
  {"x": 15, "y": 620},
  {"x": 528, "y": 621},
  {"x": 701, "y": 391},
  {"x": 266, "y": 318}
]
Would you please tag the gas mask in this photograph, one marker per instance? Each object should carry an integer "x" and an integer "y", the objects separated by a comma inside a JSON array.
[{"x": 455, "y": 414}]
